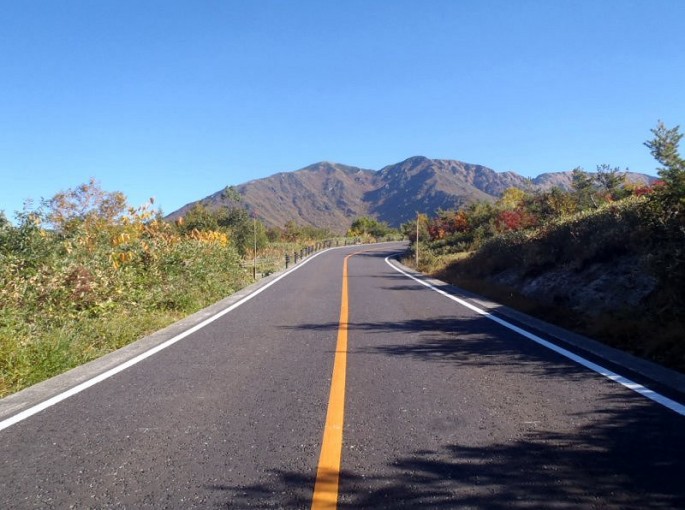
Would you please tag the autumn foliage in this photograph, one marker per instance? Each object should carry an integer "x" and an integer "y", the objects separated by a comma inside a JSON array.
[
  {"x": 85, "y": 273},
  {"x": 602, "y": 218}
]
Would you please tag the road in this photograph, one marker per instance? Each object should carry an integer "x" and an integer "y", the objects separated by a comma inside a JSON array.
[{"x": 442, "y": 408}]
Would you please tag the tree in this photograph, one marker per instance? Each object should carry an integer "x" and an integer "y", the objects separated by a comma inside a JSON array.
[
  {"x": 447, "y": 223},
  {"x": 668, "y": 202},
  {"x": 292, "y": 232},
  {"x": 242, "y": 229},
  {"x": 664, "y": 148},
  {"x": 86, "y": 204},
  {"x": 199, "y": 218},
  {"x": 6, "y": 231},
  {"x": 4, "y": 222},
  {"x": 230, "y": 193},
  {"x": 551, "y": 204},
  {"x": 610, "y": 180},
  {"x": 511, "y": 220},
  {"x": 512, "y": 198},
  {"x": 365, "y": 225},
  {"x": 409, "y": 228},
  {"x": 583, "y": 188}
]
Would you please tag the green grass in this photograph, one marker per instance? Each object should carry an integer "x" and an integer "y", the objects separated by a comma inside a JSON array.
[{"x": 35, "y": 349}]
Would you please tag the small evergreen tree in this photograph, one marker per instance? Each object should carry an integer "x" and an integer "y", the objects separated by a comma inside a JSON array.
[
  {"x": 610, "y": 180},
  {"x": 664, "y": 148},
  {"x": 583, "y": 188}
]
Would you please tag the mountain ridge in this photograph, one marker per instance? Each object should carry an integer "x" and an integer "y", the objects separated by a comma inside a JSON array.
[{"x": 331, "y": 195}]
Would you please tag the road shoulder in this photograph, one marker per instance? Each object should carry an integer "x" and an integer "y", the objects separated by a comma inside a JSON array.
[
  {"x": 40, "y": 392},
  {"x": 645, "y": 372}
]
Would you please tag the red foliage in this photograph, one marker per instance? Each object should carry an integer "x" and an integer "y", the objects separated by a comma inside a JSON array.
[
  {"x": 639, "y": 191},
  {"x": 642, "y": 190},
  {"x": 517, "y": 219},
  {"x": 447, "y": 224},
  {"x": 435, "y": 232},
  {"x": 461, "y": 222},
  {"x": 509, "y": 220}
]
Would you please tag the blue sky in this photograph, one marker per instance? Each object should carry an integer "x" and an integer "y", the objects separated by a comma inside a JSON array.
[{"x": 177, "y": 99}]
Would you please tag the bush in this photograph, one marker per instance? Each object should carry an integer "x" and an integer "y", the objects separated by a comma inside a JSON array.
[{"x": 96, "y": 280}]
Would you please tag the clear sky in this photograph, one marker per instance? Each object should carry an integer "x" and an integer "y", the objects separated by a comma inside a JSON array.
[{"x": 177, "y": 99}]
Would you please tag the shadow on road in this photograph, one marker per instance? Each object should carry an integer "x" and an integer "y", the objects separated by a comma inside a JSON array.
[
  {"x": 625, "y": 453},
  {"x": 466, "y": 341},
  {"x": 623, "y": 460}
]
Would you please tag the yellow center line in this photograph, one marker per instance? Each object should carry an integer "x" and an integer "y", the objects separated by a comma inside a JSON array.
[{"x": 328, "y": 472}]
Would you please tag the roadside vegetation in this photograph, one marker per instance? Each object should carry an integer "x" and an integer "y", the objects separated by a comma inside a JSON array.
[
  {"x": 84, "y": 273},
  {"x": 370, "y": 230},
  {"x": 497, "y": 249}
]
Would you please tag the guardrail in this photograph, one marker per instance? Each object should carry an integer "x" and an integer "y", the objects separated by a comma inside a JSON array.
[{"x": 266, "y": 264}]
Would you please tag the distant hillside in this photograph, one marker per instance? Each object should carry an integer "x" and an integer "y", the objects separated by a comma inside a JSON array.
[
  {"x": 331, "y": 195},
  {"x": 426, "y": 185},
  {"x": 326, "y": 195}
]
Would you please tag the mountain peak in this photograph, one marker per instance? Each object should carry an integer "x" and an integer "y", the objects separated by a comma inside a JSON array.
[
  {"x": 330, "y": 167},
  {"x": 331, "y": 195},
  {"x": 415, "y": 160}
]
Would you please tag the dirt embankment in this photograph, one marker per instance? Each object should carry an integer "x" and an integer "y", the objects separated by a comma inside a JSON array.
[
  {"x": 602, "y": 287},
  {"x": 618, "y": 302}
]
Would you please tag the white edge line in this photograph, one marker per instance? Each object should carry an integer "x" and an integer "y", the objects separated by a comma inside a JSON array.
[
  {"x": 127, "y": 364},
  {"x": 636, "y": 387}
]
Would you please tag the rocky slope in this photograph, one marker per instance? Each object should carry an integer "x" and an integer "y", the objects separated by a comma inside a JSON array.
[{"x": 607, "y": 286}]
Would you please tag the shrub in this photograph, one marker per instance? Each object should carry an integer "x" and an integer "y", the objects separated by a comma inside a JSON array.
[{"x": 99, "y": 277}]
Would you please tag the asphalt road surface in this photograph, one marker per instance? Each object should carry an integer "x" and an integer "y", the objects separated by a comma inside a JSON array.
[{"x": 442, "y": 408}]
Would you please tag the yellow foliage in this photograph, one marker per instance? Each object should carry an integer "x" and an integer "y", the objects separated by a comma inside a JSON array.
[
  {"x": 121, "y": 258},
  {"x": 512, "y": 198},
  {"x": 120, "y": 239},
  {"x": 209, "y": 236}
]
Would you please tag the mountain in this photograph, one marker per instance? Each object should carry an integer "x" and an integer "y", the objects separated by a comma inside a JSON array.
[
  {"x": 426, "y": 185},
  {"x": 331, "y": 195}
]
